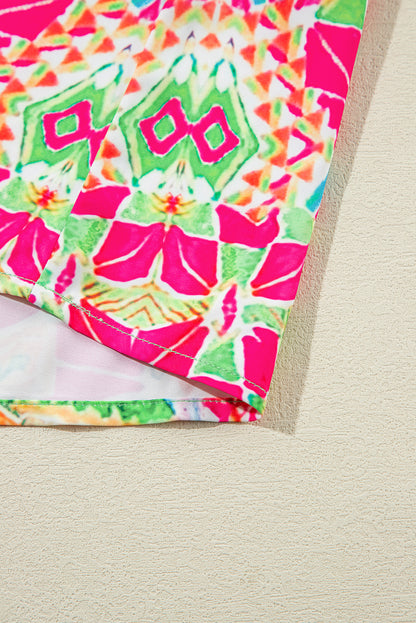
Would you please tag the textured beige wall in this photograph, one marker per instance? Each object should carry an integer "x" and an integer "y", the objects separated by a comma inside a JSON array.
[{"x": 307, "y": 517}]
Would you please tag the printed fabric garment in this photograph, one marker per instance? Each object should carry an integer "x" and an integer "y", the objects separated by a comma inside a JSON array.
[{"x": 162, "y": 164}]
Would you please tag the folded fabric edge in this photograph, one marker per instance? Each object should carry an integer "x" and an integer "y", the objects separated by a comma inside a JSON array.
[
  {"x": 168, "y": 359},
  {"x": 125, "y": 413},
  {"x": 23, "y": 412}
]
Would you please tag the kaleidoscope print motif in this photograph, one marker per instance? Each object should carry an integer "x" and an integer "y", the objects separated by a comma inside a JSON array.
[
  {"x": 162, "y": 173},
  {"x": 202, "y": 128}
]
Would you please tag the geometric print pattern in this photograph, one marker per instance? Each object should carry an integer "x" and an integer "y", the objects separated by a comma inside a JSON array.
[{"x": 163, "y": 165}]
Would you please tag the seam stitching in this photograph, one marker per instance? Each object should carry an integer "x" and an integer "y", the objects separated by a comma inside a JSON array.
[
  {"x": 70, "y": 302},
  {"x": 91, "y": 403}
]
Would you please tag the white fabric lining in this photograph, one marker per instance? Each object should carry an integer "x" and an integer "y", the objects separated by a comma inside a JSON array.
[{"x": 43, "y": 359}]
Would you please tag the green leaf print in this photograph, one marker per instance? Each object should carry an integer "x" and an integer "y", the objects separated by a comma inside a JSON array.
[
  {"x": 299, "y": 225},
  {"x": 351, "y": 12},
  {"x": 19, "y": 196},
  {"x": 146, "y": 412},
  {"x": 218, "y": 359},
  {"x": 144, "y": 306},
  {"x": 273, "y": 317},
  {"x": 239, "y": 263},
  {"x": 83, "y": 233},
  {"x": 194, "y": 218}
]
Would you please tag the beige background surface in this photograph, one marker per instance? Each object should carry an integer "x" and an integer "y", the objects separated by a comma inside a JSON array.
[{"x": 307, "y": 517}]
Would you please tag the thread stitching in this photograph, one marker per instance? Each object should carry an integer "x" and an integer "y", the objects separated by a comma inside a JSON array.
[
  {"x": 70, "y": 302},
  {"x": 91, "y": 403}
]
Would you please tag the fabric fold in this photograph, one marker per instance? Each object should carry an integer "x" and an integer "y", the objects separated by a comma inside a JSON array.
[{"x": 162, "y": 167}]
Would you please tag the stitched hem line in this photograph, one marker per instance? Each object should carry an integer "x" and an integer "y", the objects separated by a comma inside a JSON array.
[
  {"x": 87, "y": 311},
  {"x": 91, "y": 403},
  {"x": 82, "y": 417}
]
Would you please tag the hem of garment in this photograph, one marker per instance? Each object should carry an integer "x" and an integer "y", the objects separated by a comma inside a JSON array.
[
  {"x": 123, "y": 413},
  {"x": 20, "y": 289}
]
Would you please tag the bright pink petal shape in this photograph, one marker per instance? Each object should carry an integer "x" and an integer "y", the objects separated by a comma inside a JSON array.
[
  {"x": 152, "y": 11},
  {"x": 155, "y": 346},
  {"x": 4, "y": 174},
  {"x": 189, "y": 264},
  {"x": 95, "y": 138},
  {"x": 336, "y": 108},
  {"x": 32, "y": 249},
  {"x": 185, "y": 338},
  {"x": 245, "y": 5},
  {"x": 95, "y": 324},
  {"x": 301, "y": 3},
  {"x": 28, "y": 20},
  {"x": 342, "y": 41},
  {"x": 11, "y": 224},
  {"x": 259, "y": 358},
  {"x": 102, "y": 201},
  {"x": 279, "y": 275},
  {"x": 128, "y": 251},
  {"x": 330, "y": 54},
  {"x": 236, "y": 227},
  {"x": 66, "y": 276},
  {"x": 228, "y": 388}
]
